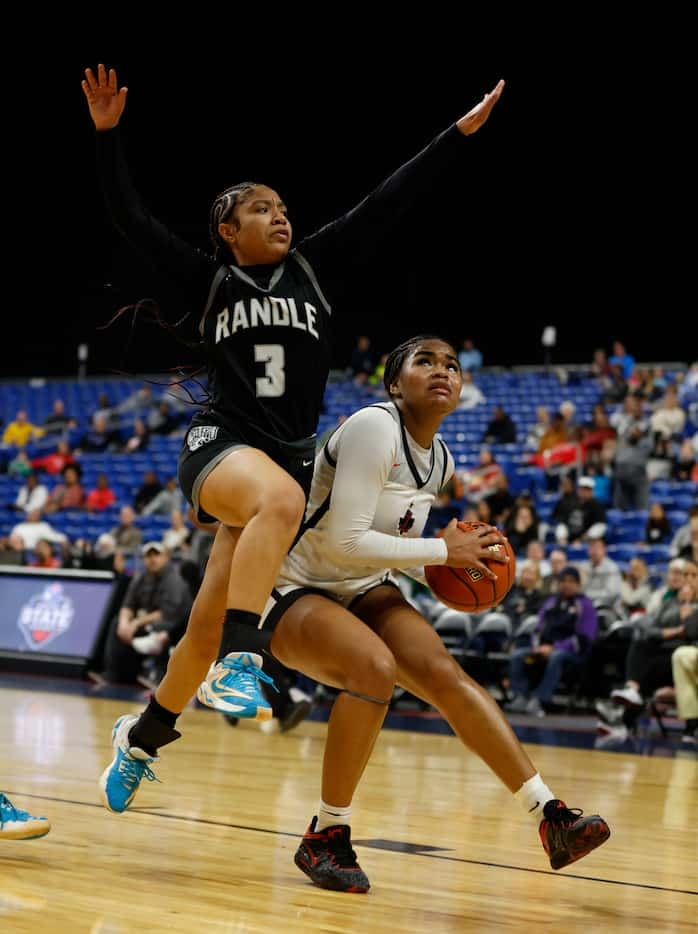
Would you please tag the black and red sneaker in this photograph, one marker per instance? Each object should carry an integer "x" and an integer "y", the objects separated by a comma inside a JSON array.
[
  {"x": 327, "y": 857},
  {"x": 567, "y": 836}
]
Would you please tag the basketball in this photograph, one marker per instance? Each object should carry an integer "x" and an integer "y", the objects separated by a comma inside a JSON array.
[{"x": 468, "y": 589}]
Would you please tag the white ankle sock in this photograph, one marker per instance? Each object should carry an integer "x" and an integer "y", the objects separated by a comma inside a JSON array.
[
  {"x": 329, "y": 814},
  {"x": 534, "y": 794}
]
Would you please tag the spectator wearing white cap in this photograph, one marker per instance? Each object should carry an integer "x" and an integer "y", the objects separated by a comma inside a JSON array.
[{"x": 586, "y": 518}]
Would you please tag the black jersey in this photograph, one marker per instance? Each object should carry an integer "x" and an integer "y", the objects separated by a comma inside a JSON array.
[{"x": 266, "y": 328}]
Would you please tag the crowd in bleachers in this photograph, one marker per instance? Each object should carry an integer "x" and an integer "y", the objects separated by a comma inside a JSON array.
[{"x": 559, "y": 458}]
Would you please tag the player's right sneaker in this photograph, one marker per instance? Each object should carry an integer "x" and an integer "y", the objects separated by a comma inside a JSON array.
[
  {"x": 567, "y": 836},
  {"x": 232, "y": 686},
  {"x": 122, "y": 777},
  {"x": 18, "y": 825},
  {"x": 329, "y": 860}
]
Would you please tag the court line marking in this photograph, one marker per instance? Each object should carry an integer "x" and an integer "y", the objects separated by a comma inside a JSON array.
[{"x": 285, "y": 833}]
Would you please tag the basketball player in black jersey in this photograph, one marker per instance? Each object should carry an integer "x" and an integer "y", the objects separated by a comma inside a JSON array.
[{"x": 262, "y": 311}]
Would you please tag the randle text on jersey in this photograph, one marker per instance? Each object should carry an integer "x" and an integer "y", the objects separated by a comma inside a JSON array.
[{"x": 267, "y": 312}]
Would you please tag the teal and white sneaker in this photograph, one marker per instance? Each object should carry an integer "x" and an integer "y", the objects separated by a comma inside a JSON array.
[
  {"x": 232, "y": 686},
  {"x": 130, "y": 765},
  {"x": 18, "y": 825}
]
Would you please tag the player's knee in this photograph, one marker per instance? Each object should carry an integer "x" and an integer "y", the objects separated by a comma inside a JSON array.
[
  {"x": 285, "y": 506},
  {"x": 441, "y": 675},
  {"x": 374, "y": 674}
]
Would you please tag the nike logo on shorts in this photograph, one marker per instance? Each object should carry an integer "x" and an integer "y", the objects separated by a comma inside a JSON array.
[{"x": 307, "y": 463}]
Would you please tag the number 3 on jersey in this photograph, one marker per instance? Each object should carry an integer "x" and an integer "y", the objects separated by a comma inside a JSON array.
[{"x": 273, "y": 383}]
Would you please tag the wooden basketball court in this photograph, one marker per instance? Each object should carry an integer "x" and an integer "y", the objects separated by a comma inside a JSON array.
[{"x": 210, "y": 848}]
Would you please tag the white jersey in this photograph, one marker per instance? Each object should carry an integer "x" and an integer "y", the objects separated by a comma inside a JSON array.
[{"x": 372, "y": 489}]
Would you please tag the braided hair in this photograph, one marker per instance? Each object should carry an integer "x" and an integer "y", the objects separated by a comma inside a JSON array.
[
  {"x": 397, "y": 357},
  {"x": 221, "y": 209}
]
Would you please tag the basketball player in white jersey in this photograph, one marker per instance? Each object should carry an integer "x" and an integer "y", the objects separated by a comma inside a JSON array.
[{"x": 338, "y": 616}]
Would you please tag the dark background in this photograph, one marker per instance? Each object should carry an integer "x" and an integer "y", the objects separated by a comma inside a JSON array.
[{"x": 570, "y": 208}]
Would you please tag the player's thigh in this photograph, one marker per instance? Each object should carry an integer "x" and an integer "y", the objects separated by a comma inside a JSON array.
[
  {"x": 421, "y": 657},
  {"x": 319, "y": 637},
  {"x": 244, "y": 482}
]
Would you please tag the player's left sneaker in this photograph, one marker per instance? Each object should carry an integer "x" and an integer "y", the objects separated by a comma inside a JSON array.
[
  {"x": 18, "y": 825},
  {"x": 567, "y": 836},
  {"x": 232, "y": 686},
  {"x": 122, "y": 777},
  {"x": 326, "y": 856}
]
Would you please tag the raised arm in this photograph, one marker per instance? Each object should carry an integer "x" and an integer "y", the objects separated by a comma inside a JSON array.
[
  {"x": 185, "y": 265},
  {"x": 358, "y": 233}
]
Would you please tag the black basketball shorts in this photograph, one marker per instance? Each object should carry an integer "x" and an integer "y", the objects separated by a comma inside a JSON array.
[{"x": 208, "y": 441}]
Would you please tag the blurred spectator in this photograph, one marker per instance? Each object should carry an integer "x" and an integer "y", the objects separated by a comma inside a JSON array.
[
  {"x": 567, "y": 627},
  {"x": 152, "y": 617},
  {"x": 633, "y": 449},
  {"x": 376, "y": 377},
  {"x": 683, "y": 465},
  {"x": 67, "y": 495},
  {"x": 535, "y": 551},
  {"x": 521, "y": 527},
  {"x": 600, "y": 368},
  {"x": 34, "y": 527},
  {"x": 477, "y": 482},
  {"x": 32, "y": 495},
  {"x": 147, "y": 491},
  {"x": 470, "y": 395},
  {"x": 469, "y": 357},
  {"x": 658, "y": 528},
  {"x": 635, "y": 590},
  {"x": 568, "y": 410},
  {"x": 105, "y": 409},
  {"x": 102, "y": 556},
  {"x": 584, "y": 515},
  {"x": 176, "y": 538},
  {"x": 20, "y": 465},
  {"x": 623, "y": 359},
  {"x": 648, "y": 663},
  {"x": 499, "y": 500},
  {"x": 602, "y": 578},
  {"x": 652, "y": 384},
  {"x": 21, "y": 431},
  {"x": 555, "y": 433},
  {"x": 668, "y": 419},
  {"x": 618, "y": 388},
  {"x": 102, "y": 496},
  {"x": 362, "y": 360},
  {"x": 526, "y": 595},
  {"x": 557, "y": 560},
  {"x": 54, "y": 462},
  {"x": 689, "y": 384},
  {"x": 100, "y": 436},
  {"x": 660, "y": 460},
  {"x": 598, "y": 431},
  {"x": 690, "y": 551},
  {"x": 126, "y": 534},
  {"x": 682, "y": 536},
  {"x": 44, "y": 556},
  {"x": 670, "y": 587},
  {"x": 161, "y": 420},
  {"x": 140, "y": 402},
  {"x": 166, "y": 500},
  {"x": 537, "y": 429},
  {"x": 12, "y": 550},
  {"x": 500, "y": 429},
  {"x": 140, "y": 438},
  {"x": 684, "y": 666},
  {"x": 58, "y": 422}
]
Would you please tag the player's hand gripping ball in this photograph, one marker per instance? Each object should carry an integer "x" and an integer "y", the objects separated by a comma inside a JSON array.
[{"x": 469, "y": 589}]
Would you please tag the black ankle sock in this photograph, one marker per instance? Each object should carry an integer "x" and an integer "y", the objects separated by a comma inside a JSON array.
[
  {"x": 154, "y": 728},
  {"x": 240, "y": 634}
]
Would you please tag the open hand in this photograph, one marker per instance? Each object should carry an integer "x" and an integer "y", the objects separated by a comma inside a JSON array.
[
  {"x": 474, "y": 118},
  {"x": 104, "y": 98}
]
